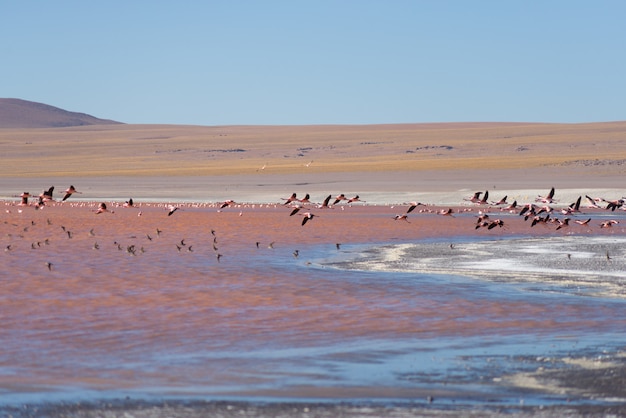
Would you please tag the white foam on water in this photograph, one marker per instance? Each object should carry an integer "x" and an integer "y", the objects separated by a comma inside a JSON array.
[{"x": 597, "y": 263}]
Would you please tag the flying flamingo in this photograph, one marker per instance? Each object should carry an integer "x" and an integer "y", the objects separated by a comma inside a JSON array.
[
  {"x": 546, "y": 199},
  {"x": 70, "y": 191},
  {"x": 572, "y": 208},
  {"x": 475, "y": 198},
  {"x": 562, "y": 223},
  {"x": 289, "y": 199},
  {"x": 593, "y": 203},
  {"x": 614, "y": 204},
  {"x": 24, "y": 197},
  {"x": 413, "y": 205},
  {"x": 102, "y": 207},
  {"x": 609, "y": 223},
  {"x": 228, "y": 202},
  {"x": 171, "y": 210},
  {"x": 355, "y": 199},
  {"x": 306, "y": 217},
  {"x": 47, "y": 194},
  {"x": 340, "y": 198},
  {"x": 500, "y": 202},
  {"x": 325, "y": 203},
  {"x": 402, "y": 217}
]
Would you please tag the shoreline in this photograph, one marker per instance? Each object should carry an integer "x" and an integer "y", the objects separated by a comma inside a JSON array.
[{"x": 389, "y": 189}]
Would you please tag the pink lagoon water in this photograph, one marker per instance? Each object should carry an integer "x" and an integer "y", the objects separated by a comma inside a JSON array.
[{"x": 137, "y": 303}]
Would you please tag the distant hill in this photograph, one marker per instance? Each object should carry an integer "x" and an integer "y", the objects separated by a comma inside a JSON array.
[{"x": 17, "y": 113}]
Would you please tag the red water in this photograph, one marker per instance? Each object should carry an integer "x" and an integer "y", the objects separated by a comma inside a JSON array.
[{"x": 167, "y": 315}]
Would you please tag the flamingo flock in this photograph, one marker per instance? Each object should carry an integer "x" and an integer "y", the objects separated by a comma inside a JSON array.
[{"x": 544, "y": 211}]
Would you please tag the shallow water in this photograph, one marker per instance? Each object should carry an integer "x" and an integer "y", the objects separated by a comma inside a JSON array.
[{"x": 114, "y": 308}]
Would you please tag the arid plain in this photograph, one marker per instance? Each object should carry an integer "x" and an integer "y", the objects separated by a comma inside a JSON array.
[{"x": 172, "y": 161}]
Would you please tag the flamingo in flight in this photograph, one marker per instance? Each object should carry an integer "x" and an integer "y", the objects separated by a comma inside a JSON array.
[
  {"x": 340, "y": 198},
  {"x": 24, "y": 197},
  {"x": 290, "y": 199},
  {"x": 306, "y": 217},
  {"x": 549, "y": 198},
  {"x": 102, "y": 207},
  {"x": 47, "y": 194},
  {"x": 324, "y": 204},
  {"x": 70, "y": 191}
]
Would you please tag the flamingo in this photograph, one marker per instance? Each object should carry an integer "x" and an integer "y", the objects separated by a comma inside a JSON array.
[
  {"x": 614, "y": 204},
  {"x": 511, "y": 208},
  {"x": 609, "y": 223},
  {"x": 295, "y": 210},
  {"x": 47, "y": 194},
  {"x": 562, "y": 223},
  {"x": 228, "y": 202},
  {"x": 70, "y": 191},
  {"x": 572, "y": 208},
  {"x": 475, "y": 198},
  {"x": 501, "y": 202},
  {"x": 496, "y": 222},
  {"x": 102, "y": 207},
  {"x": 289, "y": 199},
  {"x": 24, "y": 197},
  {"x": 307, "y": 216},
  {"x": 171, "y": 209},
  {"x": 340, "y": 198},
  {"x": 593, "y": 202},
  {"x": 305, "y": 199},
  {"x": 546, "y": 199},
  {"x": 413, "y": 205},
  {"x": 355, "y": 199},
  {"x": 325, "y": 203},
  {"x": 538, "y": 219}
]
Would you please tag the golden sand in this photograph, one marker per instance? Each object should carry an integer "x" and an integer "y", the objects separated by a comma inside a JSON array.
[{"x": 169, "y": 150}]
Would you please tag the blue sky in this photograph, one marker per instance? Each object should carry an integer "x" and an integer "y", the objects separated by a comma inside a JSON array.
[{"x": 318, "y": 62}]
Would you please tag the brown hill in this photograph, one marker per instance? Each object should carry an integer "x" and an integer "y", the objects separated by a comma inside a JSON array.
[{"x": 17, "y": 113}]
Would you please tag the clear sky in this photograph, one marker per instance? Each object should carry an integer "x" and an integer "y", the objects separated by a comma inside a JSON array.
[{"x": 318, "y": 62}]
